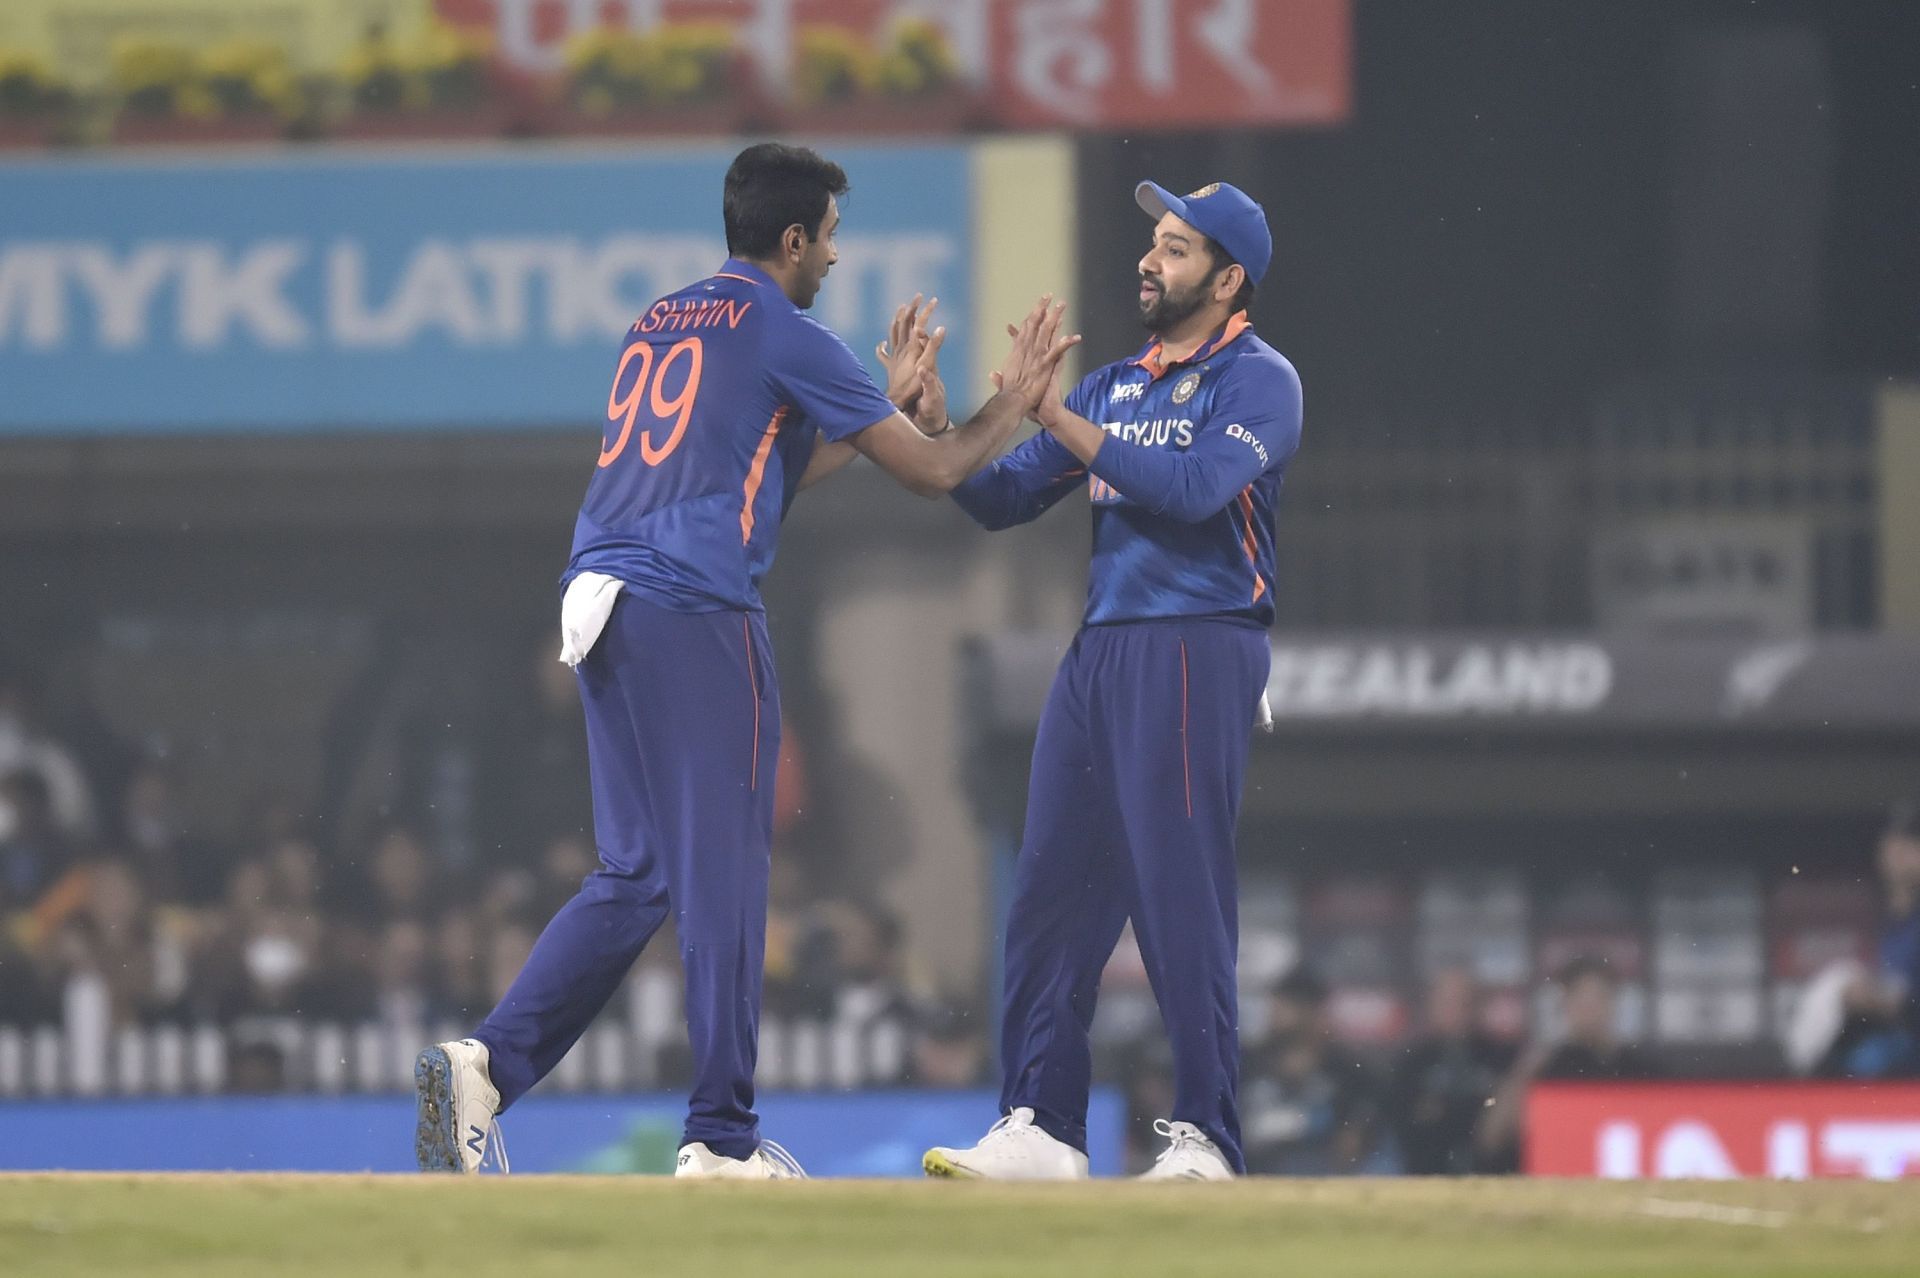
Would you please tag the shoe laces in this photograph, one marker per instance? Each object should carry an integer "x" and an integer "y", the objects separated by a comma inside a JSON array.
[
  {"x": 776, "y": 1153},
  {"x": 496, "y": 1150},
  {"x": 1014, "y": 1126},
  {"x": 1182, "y": 1137}
]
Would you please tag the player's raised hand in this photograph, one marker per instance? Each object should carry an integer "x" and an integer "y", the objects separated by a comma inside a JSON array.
[
  {"x": 930, "y": 412},
  {"x": 900, "y": 354},
  {"x": 1051, "y": 404},
  {"x": 1038, "y": 348},
  {"x": 1022, "y": 335}
]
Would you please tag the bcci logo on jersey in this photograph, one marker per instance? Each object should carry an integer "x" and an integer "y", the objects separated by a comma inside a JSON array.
[{"x": 1183, "y": 389}]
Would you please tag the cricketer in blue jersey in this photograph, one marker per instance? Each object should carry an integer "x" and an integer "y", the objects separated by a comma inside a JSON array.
[
  {"x": 727, "y": 400},
  {"x": 1139, "y": 760}
]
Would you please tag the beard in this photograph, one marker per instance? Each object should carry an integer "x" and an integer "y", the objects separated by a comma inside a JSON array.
[{"x": 1167, "y": 308}]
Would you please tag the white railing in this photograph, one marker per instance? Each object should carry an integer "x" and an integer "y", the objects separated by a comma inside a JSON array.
[{"x": 633, "y": 1047}]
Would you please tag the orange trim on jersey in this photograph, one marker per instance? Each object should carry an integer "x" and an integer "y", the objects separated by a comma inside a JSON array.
[
  {"x": 758, "y": 472},
  {"x": 1237, "y": 323},
  {"x": 1186, "y": 764},
  {"x": 1153, "y": 359},
  {"x": 729, "y": 275},
  {"x": 1248, "y": 544},
  {"x": 753, "y": 683}
]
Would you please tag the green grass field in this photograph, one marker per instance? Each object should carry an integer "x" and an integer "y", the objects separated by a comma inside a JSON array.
[{"x": 368, "y": 1226}]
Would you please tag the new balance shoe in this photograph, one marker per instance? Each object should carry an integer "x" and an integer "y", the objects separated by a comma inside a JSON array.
[
  {"x": 456, "y": 1129},
  {"x": 1190, "y": 1155},
  {"x": 1013, "y": 1149},
  {"x": 769, "y": 1162}
]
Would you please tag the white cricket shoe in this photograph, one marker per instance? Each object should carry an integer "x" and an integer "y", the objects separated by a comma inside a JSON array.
[
  {"x": 456, "y": 1130},
  {"x": 769, "y": 1162},
  {"x": 1190, "y": 1155},
  {"x": 1013, "y": 1149}
]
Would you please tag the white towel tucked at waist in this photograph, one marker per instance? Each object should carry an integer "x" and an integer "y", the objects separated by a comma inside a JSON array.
[{"x": 583, "y": 614}]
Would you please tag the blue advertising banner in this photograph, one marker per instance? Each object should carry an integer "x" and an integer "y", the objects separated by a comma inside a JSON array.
[
  {"x": 405, "y": 288},
  {"x": 832, "y": 1134}
]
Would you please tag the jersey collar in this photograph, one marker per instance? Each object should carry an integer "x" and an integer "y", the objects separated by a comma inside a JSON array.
[
  {"x": 1149, "y": 357},
  {"x": 735, "y": 269}
]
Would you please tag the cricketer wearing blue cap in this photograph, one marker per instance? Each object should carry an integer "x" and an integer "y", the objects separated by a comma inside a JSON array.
[{"x": 1139, "y": 761}]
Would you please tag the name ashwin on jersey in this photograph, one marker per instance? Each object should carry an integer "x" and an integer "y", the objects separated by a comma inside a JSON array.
[{"x": 692, "y": 312}]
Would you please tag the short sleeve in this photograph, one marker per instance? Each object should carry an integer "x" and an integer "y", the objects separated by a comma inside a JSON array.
[{"x": 825, "y": 382}]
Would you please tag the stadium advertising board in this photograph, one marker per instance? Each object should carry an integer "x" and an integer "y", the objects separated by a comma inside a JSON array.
[
  {"x": 77, "y": 38},
  {"x": 411, "y": 288},
  {"x": 1844, "y": 681},
  {"x": 1367, "y": 683},
  {"x": 1720, "y": 1131},
  {"x": 833, "y": 1134},
  {"x": 1043, "y": 63}
]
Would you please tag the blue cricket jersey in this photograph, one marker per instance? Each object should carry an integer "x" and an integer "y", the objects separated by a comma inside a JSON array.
[
  {"x": 1184, "y": 487},
  {"x": 721, "y": 391}
]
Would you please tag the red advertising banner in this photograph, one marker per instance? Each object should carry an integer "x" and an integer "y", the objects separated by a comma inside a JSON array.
[
  {"x": 1719, "y": 1131},
  {"x": 1030, "y": 63},
  {"x": 1170, "y": 63}
]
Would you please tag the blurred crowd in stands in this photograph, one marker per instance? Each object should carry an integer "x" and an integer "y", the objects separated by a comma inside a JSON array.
[
  {"x": 104, "y": 881},
  {"x": 105, "y": 886}
]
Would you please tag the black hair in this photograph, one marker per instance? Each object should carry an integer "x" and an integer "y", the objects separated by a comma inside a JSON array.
[
  {"x": 773, "y": 186},
  {"x": 1242, "y": 300}
]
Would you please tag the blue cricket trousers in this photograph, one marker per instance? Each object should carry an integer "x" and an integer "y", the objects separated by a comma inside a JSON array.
[
  {"x": 1137, "y": 775},
  {"x": 683, "y": 733}
]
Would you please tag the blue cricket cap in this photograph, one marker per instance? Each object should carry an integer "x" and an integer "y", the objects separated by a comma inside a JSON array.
[{"x": 1224, "y": 213}]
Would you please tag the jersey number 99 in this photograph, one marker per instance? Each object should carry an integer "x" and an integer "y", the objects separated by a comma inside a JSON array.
[{"x": 649, "y": 385}]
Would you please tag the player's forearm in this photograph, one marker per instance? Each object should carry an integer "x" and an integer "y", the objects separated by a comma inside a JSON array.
[
  {"x": 1076, "y": 434},
  {"x": 1189, "y": 487},
  {"x": 1178, "y": 485},
  {"x": 959, "y": 453},
  {"x": 828, "y": 458},
  {"x": 995, "y": 499}
]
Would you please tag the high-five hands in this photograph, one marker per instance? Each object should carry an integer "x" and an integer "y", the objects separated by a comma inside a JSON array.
[
  {"x": 911, "y": 356},
  {"x": 934, "y": 466},
  {"x": 1041, "y": 387},
  {"x": 1032, "y": 367}
]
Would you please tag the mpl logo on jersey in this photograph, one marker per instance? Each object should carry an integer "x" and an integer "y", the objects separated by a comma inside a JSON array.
[
  {"x": 461, "y": 289},
  {"x": 1792, "y": 1131}
]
